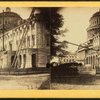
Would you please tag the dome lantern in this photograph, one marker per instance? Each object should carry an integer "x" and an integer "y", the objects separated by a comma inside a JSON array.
[{"x": 8, "y": 9}]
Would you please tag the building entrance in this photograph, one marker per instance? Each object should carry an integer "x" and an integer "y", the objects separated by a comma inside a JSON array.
[
  {"x": 33, "y": 60},
  {"x": 24, "y": 60},
  {"x": 12, "y": 59}
]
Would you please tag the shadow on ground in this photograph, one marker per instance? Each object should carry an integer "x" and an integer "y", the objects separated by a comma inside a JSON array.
[
  {"x": 78, "y": 80},
  {"x": 45, "y": 85}
]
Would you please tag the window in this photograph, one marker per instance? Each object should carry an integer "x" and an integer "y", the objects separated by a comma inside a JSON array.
[
  {"x": 12, "y": 58},
  {"x": 47, "y": 40},
  {"x": 28, "y": 27},
  {"x": 64, "y": 60},
  {"x": 5, "y": 46},
  {"x": 10, "y": 45},
  {"x": 48, "y": 58},
  {"x": 39, "y": 28},
  {"x": 20, "y": 31},
  {"x": 28, "y": 41},
  {"x": 17, "y": 42},
  {"x": 33, "y": 40},
  {"x": 6, "y": 22},
  {"x": 24, "y": 43},
  {"x": 14, "y": 34}
]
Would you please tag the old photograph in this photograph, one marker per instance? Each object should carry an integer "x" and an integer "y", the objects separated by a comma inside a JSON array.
[
  {"x": 75, "y": 49},
  {"x": 24, "y": 49},
  {"x": 49, "y": 48}
]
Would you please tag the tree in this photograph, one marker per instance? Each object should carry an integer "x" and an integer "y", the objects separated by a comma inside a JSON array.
[{"x": 53, "y": 21}]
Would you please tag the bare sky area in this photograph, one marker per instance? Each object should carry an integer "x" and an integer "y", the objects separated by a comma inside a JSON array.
[
  {"x": 24, "y": 12},
  {"x": 76, "y": 20}
]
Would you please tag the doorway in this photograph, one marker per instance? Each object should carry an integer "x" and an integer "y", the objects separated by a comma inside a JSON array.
[
  {"x": 24, "y": 59},
  {"x": 33, "y": 60},
  {"x": 20, "y": 61},
  {"x": 12, "y": 58}
]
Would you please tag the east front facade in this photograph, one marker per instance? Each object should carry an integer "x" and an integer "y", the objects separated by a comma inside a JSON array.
[
  {"x": 89, "y": 52},
  {"x": 24, "y": 43}
]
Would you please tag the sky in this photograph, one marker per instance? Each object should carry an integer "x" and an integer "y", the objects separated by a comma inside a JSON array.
[
  {"x": 76, "y": 20},
  {"x": 24, "y": 12}
]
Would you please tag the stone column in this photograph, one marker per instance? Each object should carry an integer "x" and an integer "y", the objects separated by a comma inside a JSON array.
[
  {"x": 91, "y": 61},
  {"x": 30, "y": 32},
  {"x": 99, "y": 62},
  {"x": 0, "y": 64},
  {"x": 30, "y": 41},
  {"x": 85, "y": 61},
  {"x": 18, "y": 61},
  {"x": 28, "y": 61},
  {"x": 22, "y": 63}
]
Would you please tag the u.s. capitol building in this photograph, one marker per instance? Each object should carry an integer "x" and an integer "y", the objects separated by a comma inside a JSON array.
[
  {"x": 23, "y": 43},
  {"x": 89, "y": 52}
]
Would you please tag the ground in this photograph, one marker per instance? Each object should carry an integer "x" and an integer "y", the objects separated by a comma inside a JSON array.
[
  {"x": 42, "y": 82},
  {"x": 74, "y": 87},
  {"x": 35, "y": 81},
  {"x": 76, "y": 83}
]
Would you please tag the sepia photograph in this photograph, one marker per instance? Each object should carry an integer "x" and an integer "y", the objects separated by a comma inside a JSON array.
[
  {"x": 75, "y": 49},
  {"x": 49, "y": 49},
  {"x": 24, "y": 49}
]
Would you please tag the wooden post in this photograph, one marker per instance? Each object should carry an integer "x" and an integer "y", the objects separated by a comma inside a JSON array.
[{"x": 3, "y": 30}]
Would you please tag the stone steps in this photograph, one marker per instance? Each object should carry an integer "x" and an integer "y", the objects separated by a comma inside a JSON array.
[{"x": 23, "y": 71}]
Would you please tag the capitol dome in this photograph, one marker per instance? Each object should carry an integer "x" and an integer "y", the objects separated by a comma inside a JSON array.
[
  {"x": 94, "y": 25},
  {"x": 94, "y": 21},
  {"x": 97, "y": 14},
  {"x": 11, "y": 19}
]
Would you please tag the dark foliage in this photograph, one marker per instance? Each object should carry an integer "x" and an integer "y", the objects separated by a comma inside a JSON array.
[
  {"x": 52, "y": 21},
  {"x": 65, "y": 69}
]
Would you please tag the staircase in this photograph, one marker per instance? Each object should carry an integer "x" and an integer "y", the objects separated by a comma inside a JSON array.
[{"x": 25, "y": 71}]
